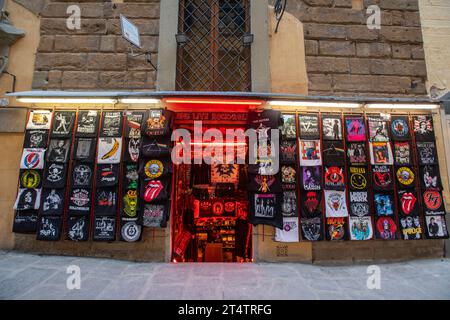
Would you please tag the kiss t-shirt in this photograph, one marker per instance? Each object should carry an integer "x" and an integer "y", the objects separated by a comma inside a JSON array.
[
  {"x": 107, "y": 175},
  {"x": 49, "y": 228},
  {"x": 36, "y": 139},
  {"x": 423, "y": 128},
  {"x": 132, "y": 150},
  {"x": 158, "y": 122},
  {"x": 55, "y": 175},
  {"x": 63, "y": 122},
  {"x": 400, "y": 130},
  {"x": 265, "y": 209},
  {"x": 52, "y": 202}
]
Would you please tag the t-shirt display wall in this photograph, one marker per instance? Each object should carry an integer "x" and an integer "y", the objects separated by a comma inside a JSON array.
[
  {"x": 80, "y": 174},
  {"x": 360, "y": 177}
]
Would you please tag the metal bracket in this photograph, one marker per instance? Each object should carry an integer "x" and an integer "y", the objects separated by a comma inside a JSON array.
[{"x": 148, "y": 55}]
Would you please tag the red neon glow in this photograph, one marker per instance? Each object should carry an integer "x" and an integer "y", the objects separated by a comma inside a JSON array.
[{"x": 214, "y": 101}]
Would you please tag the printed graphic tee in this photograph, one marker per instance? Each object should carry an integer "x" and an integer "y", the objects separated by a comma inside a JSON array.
[
  {"x": 309, "y": 127},
  {"x": 87, "y": 124},
  {"x": 109, "y": 150},
  {"x": 331, "y": 127},
  {"x": 36, "y": 139},
  {"x": 58, "y": 150},
  {"x": 52, "y": 202},
  {"x": 423, "y": 128},
  {"x": 355, "y": 129},
  {"x": 107, "y": 175},
  {"x": 82, "y": 174},
  {"x": 361, "y": 228},
  {"x": 400, "y": 128},
  {"x": 49, "y": 228},
  {"x": 333, "y": 153},
  {"x": 335, "y": 204},
  {"x": 78, "y": 228},
  {"x": 63, "y": 123},
  {"x": 312, "y": 229},
  {"x": 289, "y": 232},
  {"x": 104, "y": 228},
  {"x": 430, "y": 178},
  {"x": 85, "y": 149},
  {"x": 427, "y": 153},
  {"x": 133, "y": 124},
  {"x": 55, "y": 175},
  {"x": 436, "y": 227},
  {"x": 39, "y": 119},
  {"x": 158, "y": 122},
  {"x": 111, "y": 124},
  {"x": 265, "y": 209}
]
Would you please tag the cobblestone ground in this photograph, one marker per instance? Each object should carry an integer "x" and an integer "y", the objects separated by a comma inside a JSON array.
[{"x": 26, "y": 276}]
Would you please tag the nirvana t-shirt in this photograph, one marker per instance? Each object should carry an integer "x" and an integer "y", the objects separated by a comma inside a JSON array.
[
  {"x": 289, "y": 128},
  {"x": 289, "y": 204},
  {"x": 361, "y": 228},
  {"x": 359, "y": 204},
  {"x": 158, "y": 122},
  {"x": 131, "y": 177},
  {"x": 132, "y": 150},
  {"x": 335, "y": 204},
  {"x": 311, "y": 204},
  {"x": 310, "y": 154},
  {"x": 156, "y": 146},
  {"x": 32, "y": 159},
  {"x": 130, "y": 204},
  {"x": 30, "y": 179},
  {"x": 427, "y": 153},
  {"x": 423, "y": 128},
  {"x": 107, "y": 175},
  {"x": 104, "y": 228},
  {"x": 85, "y": 149},
  {"x": 406, "y": 177},
  {"x": 430, "y": 178},
  {"x": 309, "y": 127},
  {"x": 378, "y": 129},
  {"x": 400, "y": 128},
  {"x": 63, "y": 123},
  {"x": 264, "y": 184},
  {"x": 331, "y": 127},
  {"x": 333, "y": 153},
  {"x": 436, "y": 227},
  {"x": 334, "y": 178},
  {"x": 49, "y": 228},
  {"x": 109, "y": 150},
  {"x": 384, "y": 204},
  {"x": 312, "y": 229},
  {"x": 25, "y": 221},
  {"x": 336, "y": 229},
  {"x": 106, "y": 201},
  {"x": 78, "y": 228},
  {"x": 408, "y": 203},
  {"x": 288, "y": 151},
  {"x": 358, "y": 178},
  {"x": 87, "y": 124},
  {"x": 58, "y": 150},
  {"x": 82, "y": 174},
  {"x": 410, "y": 228},
  {"x": 355, "y": 129},
  {"x": 311, "y": 178},
  {"x": 381, "y": 153},
  {"x": 356, "y": 153},
  {"x": 130, "y": 231},
  {"x": 111, "y": 124},
  {"x": 79, "y": 201},
  {"x": 36, "y": 139},
  {"x": 265, "y": 209},
  {"x": 133, "y": 124},
  {"x": 382, "y": 178},
  {"x": 289, "y": 232},
  {"x": 385, "y": 228},
  {"x": 52, "y": 202},
  {"x": 433, "y": 202},
  {"x": 55, "y": 175},
  {"x": 28, "y": 199},
  {"x": 39, "y": 119},
  {"x": 154, "y": 215},
  {"x": 402, "y": 153},
  {"x": 155, "y": 189}
]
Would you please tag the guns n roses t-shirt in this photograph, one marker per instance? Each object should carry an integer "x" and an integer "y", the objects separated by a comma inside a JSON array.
[{"x": 406, "y": 177}]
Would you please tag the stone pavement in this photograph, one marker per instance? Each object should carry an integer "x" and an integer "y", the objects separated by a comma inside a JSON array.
[{"x": 26, "y": 276}]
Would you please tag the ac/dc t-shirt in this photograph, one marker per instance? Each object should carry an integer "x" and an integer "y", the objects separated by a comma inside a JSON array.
[
  {"x": 87, "y": 124},
  {"x": 336, "y": 229},
  {"x": 427, "y": 153},
  {"x": 133, "y": 124},
  {"x": 155, "y": 189},
  {"x": 436, "y": 227},
  {"x": 52, "y": 202},
  {"x": 411, "y": 228},
  {"x": 63, "y": 122},
  {"x": 333, "y": 153},
  {"x": 400, "y": 128},
  {"x": 331, "y": 127},
  {"x": 130, "y": 204},
  {"x": 382, "y": 178},
  {"x": 355, "y": 129},
  {"x": 312, "y": 229},
  {"x": 132, "y": 150},
  {"x": 264, "y": 184},
  {"x": 359, "y": 203},
  {"x": 356, "y": 153},
  {"x": 154, "y": 215},
  {"x": 58, "y": 150},
  {"x": 288, "y": 151},
  {"x": 78, "y": 228},
  {"x": 28, "y": 199},
  {"x": 104, "y": 228},
  {"x": 289, "y": 204},
  {"x": 430, "y": 178},
  {"x": 385, "y": 228},
  {"x": 106, "y": 201},
  {"x": 311, "y": 204},
  {"x": 36, "y": 139},
  {"x": 79, "y": 201},
  {"x": 423, "y": 128},
  {"x": 406, "y": 177},
  {"x": 289, "y": 128},
  {"x": 402, "y": 153},
  {"x": 311, "y": 178},
  {"x": 30, "y": 179},
  {"x": 111, "y": 124},
  {"x": 107, "y": 175},
  {"x": 158, "y": 122},
  {"x": 358, "y": 178},
  {"x": 265, "y": 209},
  {"x": 32, "y": 159},
  {"x": 85, "y": 149},
  {"x": 130, "y": 231},
  {"x": 309, "y": 127},
  {"x": 156, "y": 146},
  {"x": 49, "y": 228},
  {"x": 25, "y": 221},
  {"x": 384, "y": 204},
  {"x": 408, "y": 203},
  {"x": 433, "y": 202},
  {"x": 131, "y": 176},
  {"x": 55, "y": 175},
  {"x": 82, "y": 174}
]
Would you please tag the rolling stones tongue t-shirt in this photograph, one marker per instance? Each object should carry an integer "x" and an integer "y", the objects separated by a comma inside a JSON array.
[
  {"x": 78, "y": 228},
  {"x": 427, "y": 153},
  {"x": 87, "y": 124},
  {"x": 111, "y": 124},
  {"x": 106, "y": 201},
  {"x": 55, "y": 175},
  {"x": 265, "y": 209},
  {"x": 311, "y": 204},
  {"x": 311, "y": 178},
  {"x": 333, "y": 153},
  {"x": 408, "y": 202},
  {"x": 433, "y": 202},
  {"x": 334, "y": 178},
  {"x": 386, "y": 228},
  {"x": 400, "y": 128},
  {"x": 382, "y": 178},
  {"x": 107, "y": 175},
  {"x": 158, "y": 123},
  {"x": 289, "y": 128},
  {"x": 63, "y": 122},
  {"x": 82, "y": 174},
  {"x": 309, "y": 127},
  {"x": 331, "y": 127},
  {"x": 79, "y": 201},
  {"x": 423, "y": 128},
  {"x": 288, "y": 151},
  {"x": 355, "y": 129},
  {"x": 52, "y": 202},
  {"x": 335, "y": 204},
  {"x": 410, "y": 228},
  {"x": 104, "y": 228},
  {"x": 402, "y": 153},
  {"x": 28, "y": 199},
  {"x": 30, "y": 179},
  {"x": 133, "y": 124},
  {"x": 49, "y": 228},
  {"x": 85, "y": 149},
  {"x": 155, "y": 189},
  {"x": 36, "y": 139},
  {"x": 430, "y": 178},
  {"x": 358, "y": 178},
  {"x": 360, "y": 228},
  {"x": 312, "y": 229},
  {"x": 356, "y": 153},
  {"x": 264, "y": 184},
  {"x": 156, "y": 146}
]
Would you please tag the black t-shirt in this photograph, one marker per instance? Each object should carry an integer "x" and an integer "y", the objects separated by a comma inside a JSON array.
[
  {"x": 55, "y": 175},
  {"x": 155, "y": 215},
  {"x": 28, "y": 199},
  {"x": 402, "y": 153},
  {"x": 155, "y": 168},
  {"x": 406, "y": 177},
  {"x": 430, "y": 178},
  {"x": 424, "y": 128},
  {"x": 58, "y": 150},
  {"x": 334, "y": 178},
  {"x": 85, "y": 149},
  {"x": 106, "y": 201},
  {"x": 133, "y": 124},
  {"x": 359, "y": 204},
  {"x": 132, "y": 149},
  {"x": 385, "y": 228},
  {"x": 265, "y": 209},
  {"x": 311, "y": 178},
  {"x": 384, "y": 204},
  {"x": 289, "y": 205},
  {"x": 155, "y": 189},
  {"x": 82, "y": 174},
  {"x": 312, "y": 229},
  {"x": 289, "y": 129},
  {"x": 130, "y": 231},
  {"x": 311, "y": 204},
  {"x": 107, "y": 175},
  {"x": 336, "y": 229},
  {"x": 104, "y": 228},
  {"x": 30, "y": 178},
  {"x": 264, "y": 184},
  {"x": 408, "y": 203},
  {"x": 131, "y": 176},
  {"x": 427, "y": 153},
  {"x": 382, "y": 177},
  {"x": 288, "y": 151},
  {"x": 80, "y": 201},
  {"x": 331, "y": 127},
  {"x": 309, "y": 127},
  {"x": 112, "y": 122},
  {"x": 130, "y": 204},
  {"x": 87, "y": 124},
  {"x": 400, "y": 130},
  {"x": 36, "y": 139},
  {"x": 265, "y": 120},
  {"x": 436, "y": 227},
  {"x": 411, "y": 228},
  {"x": 333, "y": 153},
  {"x": 156, "y": 146},
  {"x": 63, "y": 122},
  {"x": 158, "y": 123},
  {"x": 433, "y": 202},
  {"x": 52, "y": 202},
  {"x": 358, "y": 178},
  {"x": 78, "y": 228},
  {"x": 357, "y": 153},
  {"x": 25, "y": 221},
  {"x": 49, "y": 228}
]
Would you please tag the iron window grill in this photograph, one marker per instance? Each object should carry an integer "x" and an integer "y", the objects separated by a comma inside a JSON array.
[{"x": 214, "y": 45}]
